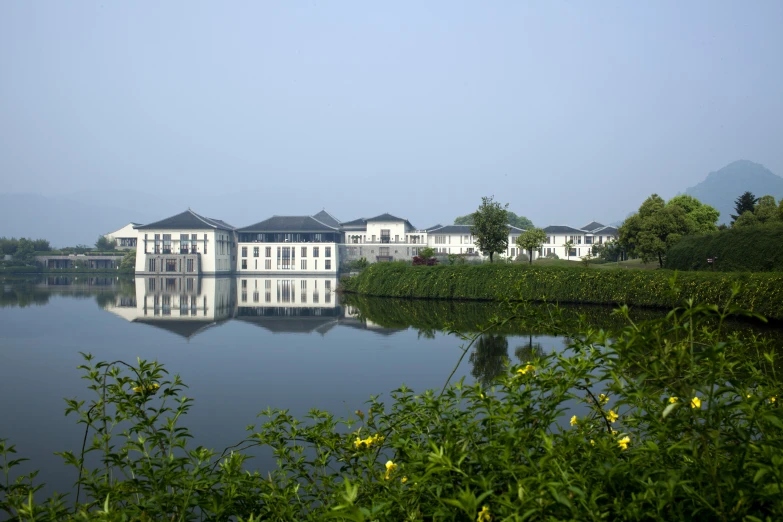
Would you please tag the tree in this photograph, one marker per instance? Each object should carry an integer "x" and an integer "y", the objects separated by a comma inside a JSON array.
[
  {"x": 104, "y": 243},
  {"x": 747, "y": 219},
  {"x": 490, "y": 227},
  {"x": 702, "y": 218},
  {"x": 512, "y": 219},
  {"x": 654, "y": 229},
  {"x": 25, "y": 251},
  {"x": 128, "y": 263},
  {"x": 568, "y": 246},
  {"x": 766, "y": 210},
  {"x": 745, "y": 203},
  {"x": 531, "y": 239}
]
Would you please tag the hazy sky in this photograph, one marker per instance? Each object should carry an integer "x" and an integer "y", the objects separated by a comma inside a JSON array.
[{"x": 569, "y": 111}]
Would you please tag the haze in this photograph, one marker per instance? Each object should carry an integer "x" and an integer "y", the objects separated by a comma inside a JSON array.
[{"x": 568, "y": 111}]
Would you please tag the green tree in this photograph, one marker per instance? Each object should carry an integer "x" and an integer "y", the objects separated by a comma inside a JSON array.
[
  {"x": 25, "y": 251},
  {"x": 747, "y": 219},
  {"x": 701, "y": 218},
  {"x": 512, "y": 219},
  {"x": 490, "y": 227},
  {"x": 426, "y": 253},
  {"x": 656, "y": 227},
  {"x": 104, "y": 243},
  {"x": 128, "y": 263},
  {"x": 531, "y": 239},
  {"x": 766, "y": 210},
  {"x": 745, "y": 203},
  {"x": 42, "y": 245}
]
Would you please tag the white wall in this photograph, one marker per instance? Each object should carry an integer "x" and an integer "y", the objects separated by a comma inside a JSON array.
[
  {"x": 216, "y": 260},
  {"x": 286, "y": 292},
  {"x": 314, "y": 265}
]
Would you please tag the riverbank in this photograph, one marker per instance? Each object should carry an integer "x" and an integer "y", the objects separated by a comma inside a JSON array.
[{"x": 761, "y": 293}]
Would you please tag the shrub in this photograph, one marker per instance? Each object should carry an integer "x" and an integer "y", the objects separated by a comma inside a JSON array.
[
  {"x": 669, "y": 420},
  {"x": 552, "y": 255},
  {"x": 754, "y": 249},
  {"x": 762, "y": 293}
]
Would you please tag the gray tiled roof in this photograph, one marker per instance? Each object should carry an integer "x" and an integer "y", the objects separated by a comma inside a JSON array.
[
  {"x": 327, "y": 219},
  {"x": 388, "y": 217},
  {"x": 562, "y": 229},
  {"x": 187, "y": 220},
  {"x": 289, "y": 224},
  {"x": 606, "y": 230},
  {"x": 450, "y": 229},
  {"x": 595, "y": 225},
  {"x": 356, "y": 223}
]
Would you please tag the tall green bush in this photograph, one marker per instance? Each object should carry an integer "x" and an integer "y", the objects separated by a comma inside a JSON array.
[
  {"x": 742, "y": 249},
  {"x": 762, "y": 293}
]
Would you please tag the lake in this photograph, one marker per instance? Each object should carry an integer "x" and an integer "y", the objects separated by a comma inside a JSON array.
[{"x": 240, "y": 344}]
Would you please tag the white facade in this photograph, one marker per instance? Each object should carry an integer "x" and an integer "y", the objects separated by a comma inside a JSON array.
[
  {"x": 294, "y": 258},
  {"x": 582, "y": 241},
  {"x": 294, "y": 291},
  {"x": 124, "y": 238}
]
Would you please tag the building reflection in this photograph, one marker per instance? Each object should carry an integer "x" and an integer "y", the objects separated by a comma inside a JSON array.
[{"x": 188, "y": 306}]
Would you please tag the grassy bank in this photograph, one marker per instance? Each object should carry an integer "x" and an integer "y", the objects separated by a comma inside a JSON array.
[{"x": 760, "y": 292}]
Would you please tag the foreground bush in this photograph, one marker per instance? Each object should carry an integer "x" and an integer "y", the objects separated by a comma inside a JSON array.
[
  {"x": 668, "y": 419},
  {"x": 761, "y": 293}
]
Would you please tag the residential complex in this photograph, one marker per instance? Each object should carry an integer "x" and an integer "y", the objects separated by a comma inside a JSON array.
[{"x": 318, "y": 245}]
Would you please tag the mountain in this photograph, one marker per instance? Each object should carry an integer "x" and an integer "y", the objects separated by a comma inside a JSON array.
[{"x": 722, "y": 187}]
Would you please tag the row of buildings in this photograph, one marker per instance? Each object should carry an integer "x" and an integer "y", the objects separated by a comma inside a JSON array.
[{"x": 191, "y": 244}]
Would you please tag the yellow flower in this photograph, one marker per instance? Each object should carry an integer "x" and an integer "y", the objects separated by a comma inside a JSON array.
[
  {"x": 695, "y": 402},
  {"x": 672, "y": 400},
  {"x": 612, "y": 416},
  {"x": 592, "y": 442},
  {"x": 624, "y": 442},
  {"x": 603, "y": 399},
  {"x": 404, "y": 480},
  {"x": 390, "y": 467},
  {"x": 527, "y": 368},
  {"x": 573, "y": 421},
  {"x": 772, "y": 399},
  {"x": 484, "y": 515}
]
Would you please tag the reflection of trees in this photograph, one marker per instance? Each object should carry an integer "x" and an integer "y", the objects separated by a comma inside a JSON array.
[
  {"x": 529, "y": 352},
  {"x": 427, "y": 333},
  {"x": 489, "y": 358}
]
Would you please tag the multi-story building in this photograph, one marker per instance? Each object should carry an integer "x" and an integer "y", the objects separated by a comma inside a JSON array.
[
  {"x": 187, "y": 244},
  {"x": 580, "y": 240},
  {"x": 290, "y": 244},
  {"x": 124, "y": 238}
]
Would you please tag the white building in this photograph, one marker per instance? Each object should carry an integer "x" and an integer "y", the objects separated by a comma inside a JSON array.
[
  {"x": 290, "y": 244},
  {"x": 458, "y": 239},
  {"x": 186, "y": 244},
  {"x": 124, "y": 238},
  {"x": 581, "y": 240}
]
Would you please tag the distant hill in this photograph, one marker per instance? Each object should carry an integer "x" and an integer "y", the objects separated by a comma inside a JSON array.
[{"x": 722, "y": 187}]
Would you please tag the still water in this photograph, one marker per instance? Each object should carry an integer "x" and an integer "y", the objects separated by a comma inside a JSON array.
[{"x": 240, "y": 344}]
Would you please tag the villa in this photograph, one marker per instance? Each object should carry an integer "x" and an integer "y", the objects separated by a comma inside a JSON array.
[{"x": 319, "y": 244}]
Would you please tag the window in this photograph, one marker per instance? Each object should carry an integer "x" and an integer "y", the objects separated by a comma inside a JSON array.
[
  {"x": 256, "y": 261},
  {"x": 244, "y": 284},
  {"x": 255, "y": 297},
  {"x": 171, "y": 265},
  {"x": 205, "y": 243},
  {"x": 383, "y": 251},
  {"x": 303, "y": 287},
  {"x": 316, "y": 264},
  {"x": 304, "y": 264},
  {"x": 315, "y": 251},
  {"x": 167, "y": 243},
  {"x": 193, "y": 243},
  {"x": 184, "y": 243},
  {"x": 244, "y": 264},
  {"x": 152, "y": 266},
  {"x": 189, "y": 265},
  {"x": 440, "y": 240},
  {"x": 396, "y": 238},
  {"x": 255, "y": 251},
  {"x": 244, "y": 251},
  {"x": 328, "y": 264},
  {"x": 385, "y": 235},
  {"x": 588, "y": 240},
  {"x": 328, "y": 252},
  {"x": 151, "y": 284},
  {"x": 268, "y": 252},
  {"x": 304, "y": 251},
  {"x": 157, "y": 243},
  {"x": 268, "y": 264}
]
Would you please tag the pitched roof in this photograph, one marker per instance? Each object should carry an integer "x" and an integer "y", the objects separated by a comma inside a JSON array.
[
  {"x": 187, "y": 220},
  {"x": 450, "y": 229},
  {"x": 289, "y": 224},
  {"x": 595, "y": 225},
  {"x": 361, "y": 222},
  {"x": 606, "y": 230},
  {"x": 184, "y": 328},
  {"x": 562, "y": 229},
  {"x": 326, "y": 218},
  {"x": 388, "y": 217}
]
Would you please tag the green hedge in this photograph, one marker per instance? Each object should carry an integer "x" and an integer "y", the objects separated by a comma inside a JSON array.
[
  {"x": 760, "y": 292},
  {"x": 20, "y": 269},
  {"x": 751, "y": 249}
]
